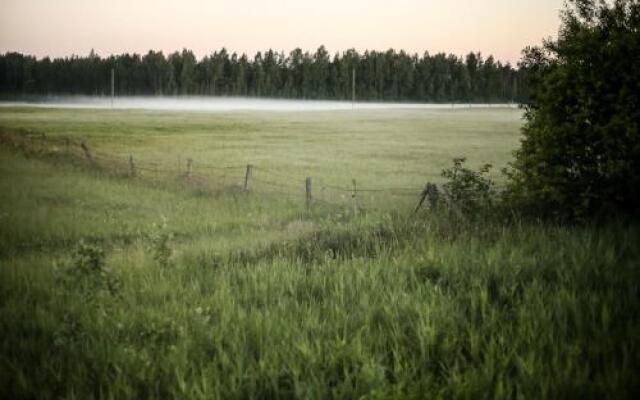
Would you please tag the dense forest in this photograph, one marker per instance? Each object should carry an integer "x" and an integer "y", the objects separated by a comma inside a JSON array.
[{"x": 381, "y": 76}]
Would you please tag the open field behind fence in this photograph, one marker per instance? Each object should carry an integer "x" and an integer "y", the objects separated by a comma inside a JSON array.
[
  {"x": 386, "y": 148},
  {"x": 248, "y": 179},
  {"x": 360, "y": 161}
]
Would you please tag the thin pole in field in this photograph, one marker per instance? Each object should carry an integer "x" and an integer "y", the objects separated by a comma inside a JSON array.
[
  {"x": 132, "y": 166},
  {"x": 113, "y": 86},
  {"x": 247, "y": 177},
  {"x": 354, "y": 197},
  {"x": 189, "y": 167},
  {"x": 353, "y": 87},
  {"x": 307, "y": 197}
]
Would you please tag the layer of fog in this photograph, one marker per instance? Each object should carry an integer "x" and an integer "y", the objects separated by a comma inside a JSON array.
[{"x": 223, "y": 104}]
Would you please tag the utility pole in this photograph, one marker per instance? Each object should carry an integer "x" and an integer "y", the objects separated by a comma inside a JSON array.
[
  {"x": 113, "y": 86},
  {"x": 353, "y": 87}
]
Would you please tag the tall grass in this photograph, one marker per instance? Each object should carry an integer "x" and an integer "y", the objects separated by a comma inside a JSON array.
[{"x": 534, "y": 312}]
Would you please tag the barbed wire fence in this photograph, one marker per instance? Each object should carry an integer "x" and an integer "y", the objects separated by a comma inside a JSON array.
[{"x": 250, "y": 179}]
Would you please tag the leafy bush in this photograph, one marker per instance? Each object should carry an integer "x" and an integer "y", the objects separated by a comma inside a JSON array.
[
  {"x": 467, "y": 191},
  {"x": 160, "y": 244},
  {"x": 89, "y": 273},
  {"x": 580, "y": 155}
]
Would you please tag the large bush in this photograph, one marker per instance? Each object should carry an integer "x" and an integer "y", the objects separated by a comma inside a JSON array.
[{"x": 580, "y": 155}]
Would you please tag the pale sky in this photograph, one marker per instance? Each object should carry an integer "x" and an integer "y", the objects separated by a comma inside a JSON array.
[{"x": 65, "y": 27}]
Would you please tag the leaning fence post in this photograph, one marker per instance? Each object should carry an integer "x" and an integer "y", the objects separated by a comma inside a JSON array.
[
  {"x": 354, "y": 197},
  {"x": 132, "y": 166},
  {"x": 307, "y": 197},
  {"x": 247, "y": 177},
  {"x": 189, "y": 167},
  {"x": 422, "y": 197},
  {"x": 430, "y": 193},
  {"x": 87, "y": 152}
]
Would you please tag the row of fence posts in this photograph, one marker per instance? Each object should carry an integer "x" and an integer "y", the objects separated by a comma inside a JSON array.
[
  {"x": 429, "y": 191},
  {"x": 309, "y": 198},
  {"x": 247, "y": 180}
]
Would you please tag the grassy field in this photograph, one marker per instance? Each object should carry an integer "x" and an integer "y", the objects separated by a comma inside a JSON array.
[
  {"x": 120, "y": 287},
  {"x": 378, "y": 148}
]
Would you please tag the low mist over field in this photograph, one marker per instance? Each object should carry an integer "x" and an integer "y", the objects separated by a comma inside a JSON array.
[{"x": 208, "y": 103}]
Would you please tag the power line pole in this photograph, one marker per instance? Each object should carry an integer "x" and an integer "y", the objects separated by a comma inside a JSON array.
[
  {"x": 113, "y": 90},
  {"x": 353, "y": 87}
]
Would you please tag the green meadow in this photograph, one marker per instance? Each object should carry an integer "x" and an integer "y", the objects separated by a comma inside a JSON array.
[
  {"x": 155, "y": 285},
  {"x": 383, "y": 148}
]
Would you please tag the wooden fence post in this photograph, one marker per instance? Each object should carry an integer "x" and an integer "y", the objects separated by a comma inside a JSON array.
[
  {"x": 354, "y": 197},
  {"x": 87, "y": 152},
  {"x": 429, "y": 193},
  {"x": 189, "y": 167},
  {"x": 307, "y": 197},
  {"x": 132, "y": 166},
  {"x": 421, "y": 198},
  {"x": 247, "y": 177}
]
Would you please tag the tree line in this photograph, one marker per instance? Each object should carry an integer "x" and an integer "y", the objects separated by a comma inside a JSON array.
[{"x": 383, "y": 76}]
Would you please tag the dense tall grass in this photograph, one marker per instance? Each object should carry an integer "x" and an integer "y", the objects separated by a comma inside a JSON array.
[{"x": 532, "y": 312}]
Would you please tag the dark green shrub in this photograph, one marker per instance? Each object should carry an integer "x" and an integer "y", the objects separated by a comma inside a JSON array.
[
  {"x": 89, "y": 274},
  {"x": 160, "y": 244},
  {"x": 580, "y": 154},
  {"x": 467, "y": 191}
]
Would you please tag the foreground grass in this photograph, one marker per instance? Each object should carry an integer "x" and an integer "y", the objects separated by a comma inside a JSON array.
[{"x": 533, "y": 312}]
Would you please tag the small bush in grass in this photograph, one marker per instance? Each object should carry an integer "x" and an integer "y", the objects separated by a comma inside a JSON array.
[
  {"x": 160, "y": 244},
  {"x": 89, "y": 272},
  {"x": 467, "y": 190}
]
